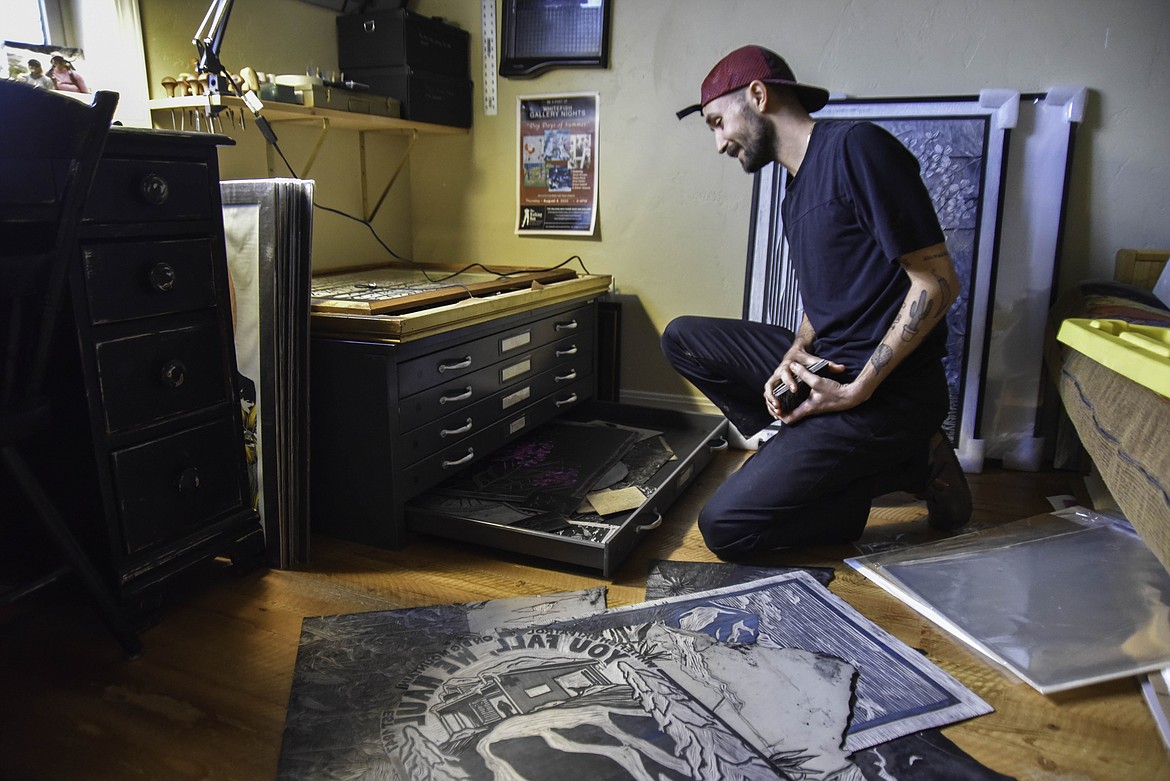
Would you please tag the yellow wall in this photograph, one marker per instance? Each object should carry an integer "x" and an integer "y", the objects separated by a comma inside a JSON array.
[
  {"x": 673, "y": 215},
  {"x": 284, "y": 36}
]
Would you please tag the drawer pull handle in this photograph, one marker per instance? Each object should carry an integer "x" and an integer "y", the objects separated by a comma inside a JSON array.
[
  {"x": 650, "y": 526},
  {"x": 455, "y": 366},
  {"x": 162, "y": 277},
  {"x": 571, "y": 351},
  {"x": 569, "y": 326},
  {"x": 368, "y": 25},
  {"x": 450, "y": 432},
  {"x": 189, "y": 480},
  {"x": 155, "y": 189},
  {"x": 173, "y": 374},
  {"x": 572, "y": 375},
  {"x": 565, "y": 402},
  {"x": 464, "y": 396},
  {"x": 461, "y": 461}
]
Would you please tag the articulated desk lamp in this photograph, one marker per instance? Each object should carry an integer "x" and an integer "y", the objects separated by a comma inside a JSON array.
[{"x": 208, "y": 39}]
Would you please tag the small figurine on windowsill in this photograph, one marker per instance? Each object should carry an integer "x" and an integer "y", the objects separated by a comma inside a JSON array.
[
  {"x": 36, "y": 76},
  {"x": 65, "y": 76}
]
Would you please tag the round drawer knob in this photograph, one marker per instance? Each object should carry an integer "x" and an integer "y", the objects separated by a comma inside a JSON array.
[
  {"x": 173, "y": 374},
  {"x": 155, "y": 189},
  {"x": 189, "y": 480},
  {"x": 162, "y": 277}
]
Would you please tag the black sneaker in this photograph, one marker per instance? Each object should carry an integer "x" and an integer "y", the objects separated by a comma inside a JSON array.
[{"x": 947, "y": 495}]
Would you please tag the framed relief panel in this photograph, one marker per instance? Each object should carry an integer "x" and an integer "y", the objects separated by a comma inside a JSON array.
[{"x": 1035, "y": 195}]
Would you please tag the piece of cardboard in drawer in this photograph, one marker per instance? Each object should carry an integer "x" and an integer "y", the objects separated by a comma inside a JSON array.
[{"x": 613, "y": 501}]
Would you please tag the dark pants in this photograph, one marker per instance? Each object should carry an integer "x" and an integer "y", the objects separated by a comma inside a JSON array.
[{"x": 813, "y": 483}]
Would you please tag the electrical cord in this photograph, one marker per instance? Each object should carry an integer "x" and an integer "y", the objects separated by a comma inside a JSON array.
[{"x": 385, "y": 246}]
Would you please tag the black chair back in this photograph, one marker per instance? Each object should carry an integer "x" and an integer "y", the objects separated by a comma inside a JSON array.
[{"x": 47, "y": 163}]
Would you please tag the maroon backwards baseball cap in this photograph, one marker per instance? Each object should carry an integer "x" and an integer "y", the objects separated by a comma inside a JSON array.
[{"x": 754, "y": 63}]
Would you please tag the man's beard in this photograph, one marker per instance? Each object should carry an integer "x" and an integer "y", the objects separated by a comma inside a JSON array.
[{"x": 759, "y": 144}]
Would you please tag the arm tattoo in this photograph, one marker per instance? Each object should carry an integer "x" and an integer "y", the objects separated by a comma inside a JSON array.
[
  {"x": 881, "y": 357},
  {"x": 944, "y": 288},
  {"x": 919, "y": 311}
]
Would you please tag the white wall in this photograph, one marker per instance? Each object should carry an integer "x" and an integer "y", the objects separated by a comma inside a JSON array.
[{"x": 284, "y": 36}]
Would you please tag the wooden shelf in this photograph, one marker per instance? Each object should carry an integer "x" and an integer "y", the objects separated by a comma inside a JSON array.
[
  {"x": 324, "y": 119},
  {"x": 291, "y": 112}
]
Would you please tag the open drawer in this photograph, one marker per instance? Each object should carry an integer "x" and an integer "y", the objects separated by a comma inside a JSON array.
[{"x": 584, "y": 539}]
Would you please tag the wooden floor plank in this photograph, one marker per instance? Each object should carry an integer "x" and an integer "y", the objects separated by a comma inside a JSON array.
[{"x": 207, "y": 698}]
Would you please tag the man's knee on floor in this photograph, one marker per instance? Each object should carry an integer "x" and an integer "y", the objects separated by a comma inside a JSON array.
[{"x": 725, "y": 539}]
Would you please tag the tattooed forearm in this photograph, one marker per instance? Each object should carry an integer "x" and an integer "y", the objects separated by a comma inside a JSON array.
[
  {"x": 919, "y": 311},
  {"x": 881, "y": 357},
  {"x": 944, "y": 287}
]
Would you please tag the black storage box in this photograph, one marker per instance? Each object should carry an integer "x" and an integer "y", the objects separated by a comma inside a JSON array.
[
  {"x": 402, "y": 38},
  {"x": 425, "y": 97}
]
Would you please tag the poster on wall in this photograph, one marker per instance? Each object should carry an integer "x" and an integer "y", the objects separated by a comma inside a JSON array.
[{"x": 557, "y": 178}]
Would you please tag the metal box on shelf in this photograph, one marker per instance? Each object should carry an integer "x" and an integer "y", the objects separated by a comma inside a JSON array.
[
  {"x": 425, "y": 96},
  {"x": 354, "y": 101}
]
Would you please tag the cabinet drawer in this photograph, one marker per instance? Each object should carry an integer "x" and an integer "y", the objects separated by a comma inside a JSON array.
[
  {"x": 444, "y": 366},
  {"x": 446, "y": 462},
  {"x": 129, "y": 280},
  {"x": 177, "y": 484},
  {"x": 127, "y": 190},
  {"x": 463, "y": 422},
  {"x": 148, "y": 377},
  {"x": 513, "y": 372},
  {"x": 693, "y": 438}
]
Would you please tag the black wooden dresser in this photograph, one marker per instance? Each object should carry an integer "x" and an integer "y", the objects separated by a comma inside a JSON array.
[{"x": 150, "y": 457}]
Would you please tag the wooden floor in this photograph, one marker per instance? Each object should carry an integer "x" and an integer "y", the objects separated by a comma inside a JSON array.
[{"x": 207, "y": 698}]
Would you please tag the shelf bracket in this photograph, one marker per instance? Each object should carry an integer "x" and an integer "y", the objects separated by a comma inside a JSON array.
[
  {"x": 304, "y": 174},
  {"x": 368, "y": 213}
]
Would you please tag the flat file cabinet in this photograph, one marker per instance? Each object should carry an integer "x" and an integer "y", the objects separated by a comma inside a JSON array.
[
  {"x": 149, "y": 451},
  {"x": 392, "y": 420}
]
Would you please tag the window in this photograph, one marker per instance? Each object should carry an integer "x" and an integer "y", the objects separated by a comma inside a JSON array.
[
  {"x": 102, "y": 37},
  {"x": 25, "y": 22},
  {"x": 39, "y": 22},
  {"x": 36, "y": 23}
]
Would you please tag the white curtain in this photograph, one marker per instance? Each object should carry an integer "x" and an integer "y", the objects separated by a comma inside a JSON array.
[{"x": 110, "y": 34}]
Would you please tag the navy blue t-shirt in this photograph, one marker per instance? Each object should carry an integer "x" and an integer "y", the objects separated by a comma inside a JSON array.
[{"x": 856, "y": 204}]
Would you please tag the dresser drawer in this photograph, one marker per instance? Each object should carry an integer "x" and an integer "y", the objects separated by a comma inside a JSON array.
[
  {"x": 149, "y": 377},
  {"x": 178, "y": 483},
  {"x": 129, "y": 190},
  {"x": 129, "y": 280},
  {"x": 693, "y": 439},
  {"x": 463, "y": 422},
  {"x": 446, "y": 462},
  {"x": 513, "y": 372},
  {"x": 445, "y": 366}
]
